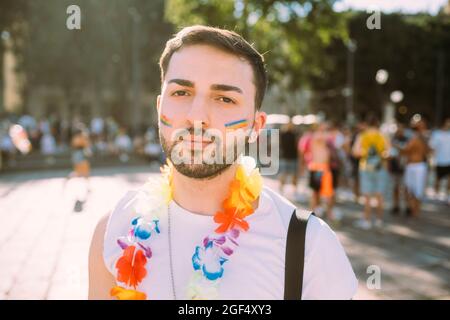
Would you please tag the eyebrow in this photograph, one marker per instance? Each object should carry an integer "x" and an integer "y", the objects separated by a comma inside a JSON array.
[
  {"x": 182, "y": 82},
  {"x": 225, "y": 87},
  {"x": 215, "y": 87}
]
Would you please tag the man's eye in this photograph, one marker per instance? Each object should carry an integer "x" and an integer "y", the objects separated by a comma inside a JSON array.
[
  {"x": 179, "y": 93},
  {"x": 226, "y": 100}
]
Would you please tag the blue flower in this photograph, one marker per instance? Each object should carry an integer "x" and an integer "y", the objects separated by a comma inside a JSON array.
[
  {"x": 143, "y": 229},
  {"x": 208, "y": 261}
]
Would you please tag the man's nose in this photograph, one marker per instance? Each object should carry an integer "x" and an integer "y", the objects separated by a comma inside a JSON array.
[{"x": 198, "y": 111}]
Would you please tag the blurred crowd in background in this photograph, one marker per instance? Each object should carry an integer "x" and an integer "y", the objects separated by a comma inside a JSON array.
[
  {"x": 404, "y": 162},
  {"x": 50, "y": 137}
]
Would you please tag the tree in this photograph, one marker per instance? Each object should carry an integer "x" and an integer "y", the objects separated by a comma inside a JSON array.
[
  {"x": 407, "y": 46},
  {"x": 292, "y": 34},
  {"x": 100, "y": 56}
]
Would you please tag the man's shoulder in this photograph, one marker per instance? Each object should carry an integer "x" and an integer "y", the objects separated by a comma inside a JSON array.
[
  {"x": 316, "y": 227},
  {"x": 122, "y": 210},
  {"x": 285, "y": 209}
]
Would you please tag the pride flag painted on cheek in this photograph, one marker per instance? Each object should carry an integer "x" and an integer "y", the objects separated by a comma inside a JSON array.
[
  {"x": 236, "y": 124},
  {"x": 165, "y": 121}
]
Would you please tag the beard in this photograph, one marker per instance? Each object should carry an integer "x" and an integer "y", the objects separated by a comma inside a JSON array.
[{"x": 201, "y": 170}]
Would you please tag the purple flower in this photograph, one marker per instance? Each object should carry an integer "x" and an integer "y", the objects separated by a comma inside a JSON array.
[
  {"x": 147, "y": 250},
  {"x": 122, "y": 244}
]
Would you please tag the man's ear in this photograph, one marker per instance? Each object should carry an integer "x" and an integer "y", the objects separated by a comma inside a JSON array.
[
  {"x": 259, "y": 124},
  {"x": 158, "y": 103}
]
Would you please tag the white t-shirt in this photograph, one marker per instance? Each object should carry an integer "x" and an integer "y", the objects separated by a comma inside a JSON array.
[
  {"x": 440, "y": 142},
  {"x": 255, "y": 270}
]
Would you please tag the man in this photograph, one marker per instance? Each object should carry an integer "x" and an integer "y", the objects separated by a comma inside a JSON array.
[
  {"x": 289, "y": 156},
  {"x": 321, "y": 159},
  {"x": 356, "y": 132},
  {"x": 416, "y": 152},
  {"x": 440, "y": 142},
  {"x": 213, "y": 77},
  {"x": 396, "y": 166},
  {"x": 371, "y": 147},
  {"x": 81, "y": 151}
]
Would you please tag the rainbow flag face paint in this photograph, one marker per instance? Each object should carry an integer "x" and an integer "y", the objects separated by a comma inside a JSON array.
[
  {"x": 165, "y": 121},
  {"x": 234, "y": 125}
]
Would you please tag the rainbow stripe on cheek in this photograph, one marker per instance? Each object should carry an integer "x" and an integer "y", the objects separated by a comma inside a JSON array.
[
  {"x": 234, "y": 125},
  {"x": 165, "y": 121}
]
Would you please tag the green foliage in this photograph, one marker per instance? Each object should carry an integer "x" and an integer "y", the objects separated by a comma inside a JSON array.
[
  {"x": 291, "y": 34},
  {"x": 407, "y": 46}
]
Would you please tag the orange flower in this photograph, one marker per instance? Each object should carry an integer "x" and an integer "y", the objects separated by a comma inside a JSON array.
[
  {"x": 244, "y": 190},
  {"x": 228, "y": 220},
  {"x": 236, "y": 201},
  {"x": 125, "y": 294},
  {"x": 131, "y": 267}
]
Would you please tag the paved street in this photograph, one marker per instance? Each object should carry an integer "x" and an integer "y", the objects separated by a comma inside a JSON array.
[{"x": 44, "y": 242}]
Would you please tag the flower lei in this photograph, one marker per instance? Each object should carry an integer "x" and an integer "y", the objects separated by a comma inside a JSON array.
[{"x": 214, "y": 251}]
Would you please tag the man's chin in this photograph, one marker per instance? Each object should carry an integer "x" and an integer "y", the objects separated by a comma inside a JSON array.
[{"x": 201, "y": 171}]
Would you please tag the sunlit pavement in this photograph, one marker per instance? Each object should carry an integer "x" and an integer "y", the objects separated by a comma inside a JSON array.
[{"x": 44, "y": 242}]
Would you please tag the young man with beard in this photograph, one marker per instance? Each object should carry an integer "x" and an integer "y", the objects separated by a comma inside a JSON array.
[{"x": 218, "y": 234}]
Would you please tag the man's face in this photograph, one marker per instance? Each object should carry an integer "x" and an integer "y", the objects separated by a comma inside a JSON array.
[{"x": 212, "y": 92}]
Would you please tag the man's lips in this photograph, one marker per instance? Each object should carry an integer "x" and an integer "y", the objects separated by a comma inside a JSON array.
[{"x": 195, "y": 143}]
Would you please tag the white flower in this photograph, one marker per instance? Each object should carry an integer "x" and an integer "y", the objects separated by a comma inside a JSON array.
[
  {"x": 248, "y": 163},
  {"x": 202, "y": 289}
]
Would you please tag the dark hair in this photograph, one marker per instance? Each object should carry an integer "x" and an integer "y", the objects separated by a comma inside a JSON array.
[
  {"x": 372, "y": 120},
  {"x": 222, "y": 39}
]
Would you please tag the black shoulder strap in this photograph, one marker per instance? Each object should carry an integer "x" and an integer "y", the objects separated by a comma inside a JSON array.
[{"x": 295, "y": 254}]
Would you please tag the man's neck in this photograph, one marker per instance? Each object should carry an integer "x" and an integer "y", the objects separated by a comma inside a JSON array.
[{"x": 202, "y": 196}]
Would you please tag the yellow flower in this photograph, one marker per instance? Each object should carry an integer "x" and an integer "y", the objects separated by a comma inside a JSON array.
[{"x": 125, "y": 294}]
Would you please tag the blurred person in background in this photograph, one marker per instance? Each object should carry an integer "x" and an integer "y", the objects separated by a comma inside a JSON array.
[
  {"x": 32, "y": 129},
  {"x": 318, "y": 153},
  {"x": 345, "y": 157},
  {"x": 101, "y": 146},
  {"x": 28, "y": 123},
  {"x": 153, "y": 150},
  {"x": 354, "y": 159},
  {"x": 112, "y": 129},
  {"x": 416, "y": 152},
  {"x": 123, "y": 145},
  {"x": 289, "y": 155},
  {"x": 7, "y": 148},
  {"x": 80, "y": 153},
  {"x": 139, "y": 143},
  {"x": 44, "y": 126},
  {"x": 48, "y": 147},
  {"x": 336, "y": 141},
  {"x": 97, "y": 126},
  {"x": 371, "y": 148},
  {"x": 440, "y": 143},
  {"x": 397, "y": 165},
  {"x": 97, "y": 129}
]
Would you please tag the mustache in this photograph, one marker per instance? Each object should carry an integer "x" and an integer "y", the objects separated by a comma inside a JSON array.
[{"x": 209, "y": 135}]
